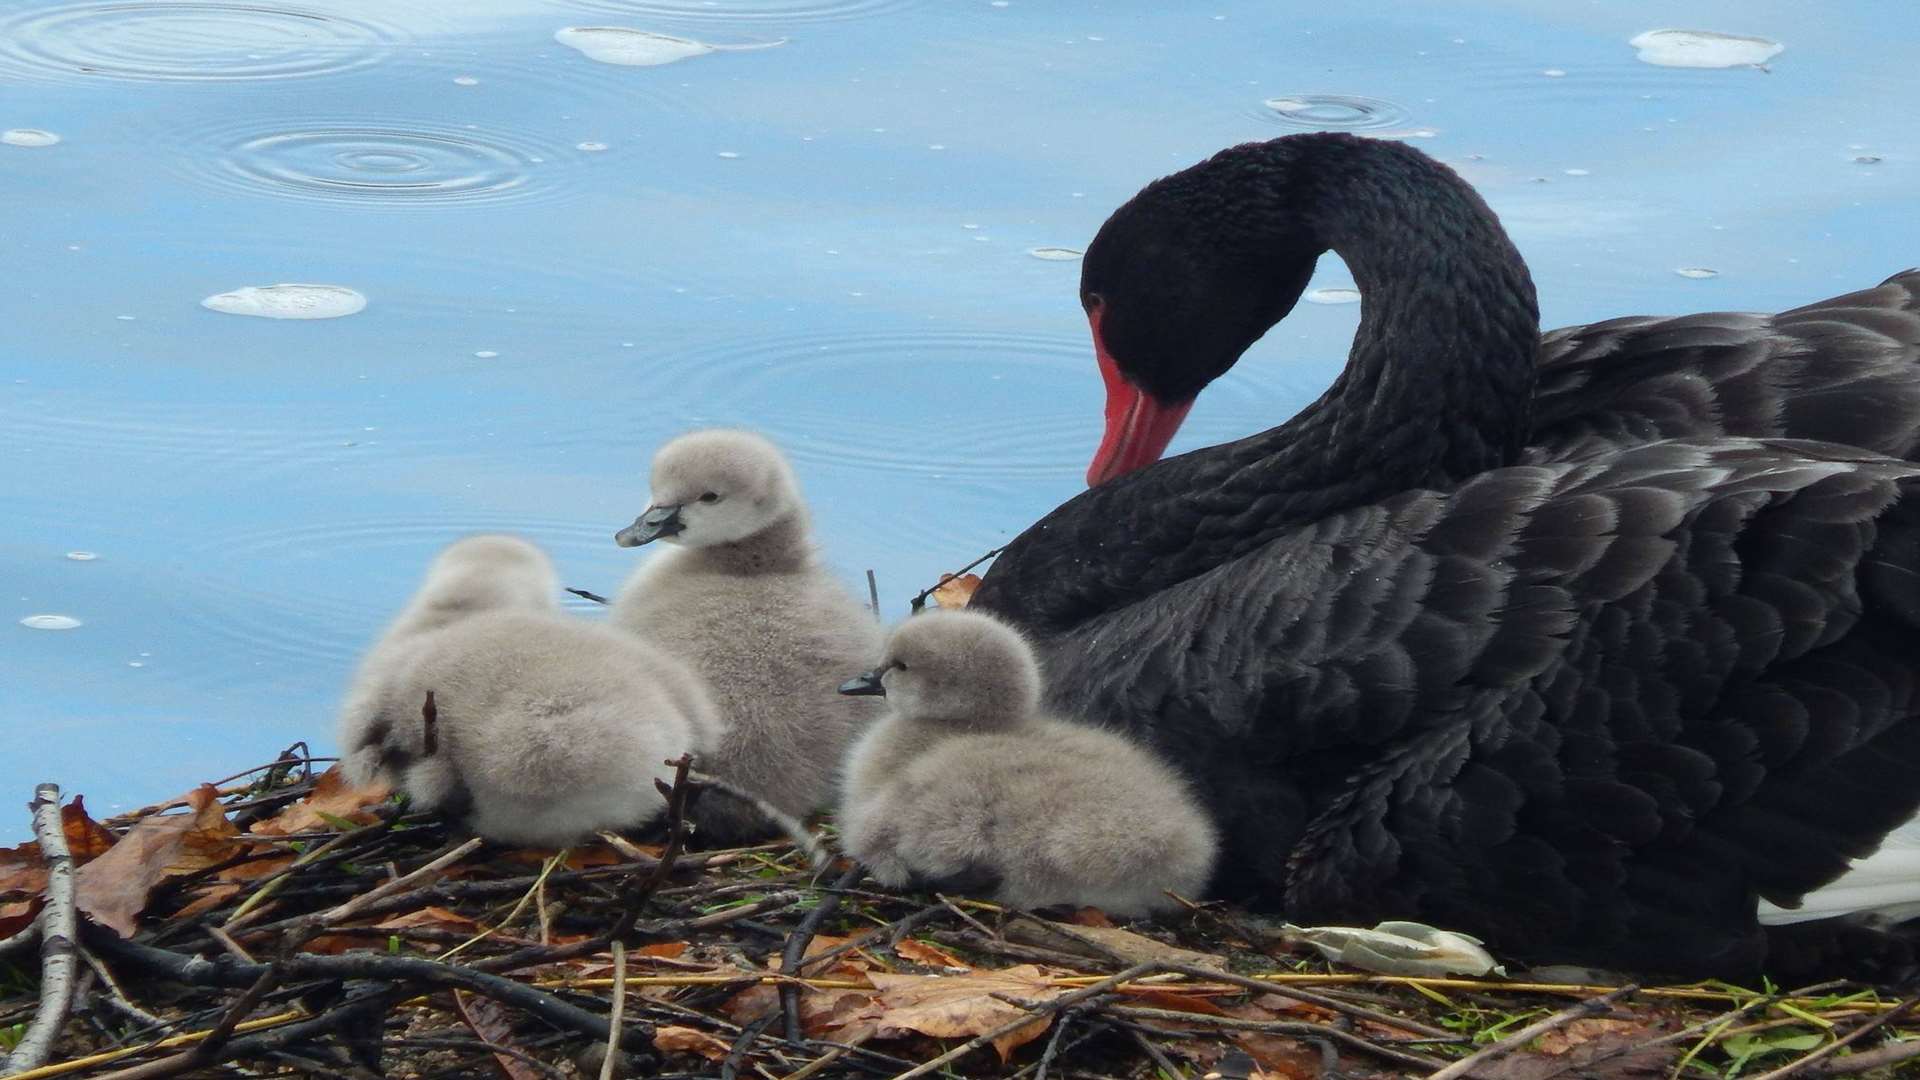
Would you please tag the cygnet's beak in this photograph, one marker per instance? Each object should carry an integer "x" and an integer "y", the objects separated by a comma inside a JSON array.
[
  {"x": 865, "y": 685},
  {"x": 657, "y": 522}
]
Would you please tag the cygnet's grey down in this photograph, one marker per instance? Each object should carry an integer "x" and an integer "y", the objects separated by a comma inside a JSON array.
[
  {"x": 548, "y": 728},
  {"x": 741, "y": 595},
  {"x": 967, "y": 784}
]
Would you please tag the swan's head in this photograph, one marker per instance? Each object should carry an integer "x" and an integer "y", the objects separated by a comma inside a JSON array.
[
  {"x": 715, "y": 487},
  {"x": 1184, "y": 277},
  {"x": 488, "y": 573},
  {"x": 957, "y": 667}
]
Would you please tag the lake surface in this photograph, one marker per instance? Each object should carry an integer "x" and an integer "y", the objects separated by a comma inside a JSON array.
[{"x": 824, "y": 227}]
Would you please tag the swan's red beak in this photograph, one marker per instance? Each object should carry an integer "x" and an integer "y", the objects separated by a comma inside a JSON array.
[{"x": 1139, "y": 426}]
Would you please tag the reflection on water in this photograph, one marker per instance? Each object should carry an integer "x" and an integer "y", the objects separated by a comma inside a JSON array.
[{"x": 864, "y": 242}]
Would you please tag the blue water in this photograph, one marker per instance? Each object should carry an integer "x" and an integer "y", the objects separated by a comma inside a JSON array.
[{"x": 855, "y": 280}]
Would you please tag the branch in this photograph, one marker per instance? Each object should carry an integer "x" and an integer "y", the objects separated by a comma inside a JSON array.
[
  {"x": 58, "y": 933},
  {"x": 585, "y": 595},
  {"x": 920, "y": 600},
  {"x": 1525, "y": 1035},
  {"x": 796, "y": 947}
]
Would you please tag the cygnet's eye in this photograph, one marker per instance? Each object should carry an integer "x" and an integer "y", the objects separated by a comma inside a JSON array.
[
  {"x": 710, "y": 497},
  {"x": 900, "y": 665}
]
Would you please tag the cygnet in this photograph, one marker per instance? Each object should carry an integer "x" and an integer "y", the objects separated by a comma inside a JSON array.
[
  {"x": 967, "y": 785},
  {"x": 740, "y": 594},
  {"x": 546, "y": 728}
]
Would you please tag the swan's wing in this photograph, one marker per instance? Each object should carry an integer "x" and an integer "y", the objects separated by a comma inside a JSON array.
[
  {"x": 1589, "y": 708},
  {"x": 1844, "y": 370}
]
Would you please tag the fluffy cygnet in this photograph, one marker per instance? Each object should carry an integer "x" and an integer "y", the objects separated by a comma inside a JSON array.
[
  {"x": 967, "y": 784},
  {"x": 740, "y": 595},
  {"x": 547, "y": 729}
]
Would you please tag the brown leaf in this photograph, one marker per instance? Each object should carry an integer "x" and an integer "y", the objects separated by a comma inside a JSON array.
[
  {"x": 1278, "y": 1056},
  {"x": 437, "y": 917},
  {"x": 581, "y": 858},
  {"x": 256, "y": 869},
  {"x": 931, "y": 955},
  {"x": 17, "y": 915},
  {"x": 954, "y": 592},
  {"x": 23, "y": 872},
  {"x": 493, "y": 1022},
  {"x": 955, "y": 1006},
  {"x": 1592, "y": 1048},
  {"x": 673, "y": 1039},
  {"x": 206, "y": 898},
  {"x": 113, "y": 888},
  {"x": 331, "y": 796},
  {"x": 87, "y": 839},
  {"x": 666, "y": 950}
]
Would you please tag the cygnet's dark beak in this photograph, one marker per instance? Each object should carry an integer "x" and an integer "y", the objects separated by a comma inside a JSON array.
[
  {"x": 657, "y": 522},
  {"x": 866, "y": 685}
]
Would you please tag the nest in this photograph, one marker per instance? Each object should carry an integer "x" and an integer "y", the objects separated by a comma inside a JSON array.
[{"x": 282, "y": 923}]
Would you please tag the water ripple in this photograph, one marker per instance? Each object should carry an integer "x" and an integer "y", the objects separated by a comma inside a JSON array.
[
  {"x": 1332, "y": 112},
  {"x": 196, "y": 41},
  {"x": 744, "y": 11},
  {"x": 381, "y": 165}
]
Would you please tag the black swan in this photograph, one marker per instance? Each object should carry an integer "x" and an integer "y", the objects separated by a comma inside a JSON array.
[{"x": 1579, "y": 645}]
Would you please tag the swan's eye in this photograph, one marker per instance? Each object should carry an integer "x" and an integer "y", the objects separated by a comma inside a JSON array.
[
  {"x": 899, "y": 665},
  {"x": 710, "y": 497}
]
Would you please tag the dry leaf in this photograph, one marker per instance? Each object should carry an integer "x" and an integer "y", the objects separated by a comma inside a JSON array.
[
  {"x": 113, "y": 888},
  {"x": 959, "y": 1006},
  {"x": 954, "y": 592},
  {"x": 673, "y": 1039},
  {"x": 493, "y": 1022},
  {"x": 1089, "y": 916},
  {"x": 580, "y": 858},
  {"x": 931, "y": 955},
  {"x": 437, "y": 917},
  {"x": 1594, "y": 1049},
  {"x": 1104, "y": 942},
  {"x": 1584, "y": 1030},
  {"x": 206, "y": 898},
  {"x": 666, "y": 950},
  {"x": 331, "y": 797},
  {"x": 87, "y": 839}
]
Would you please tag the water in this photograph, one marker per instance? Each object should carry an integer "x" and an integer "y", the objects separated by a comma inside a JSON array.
[{"x": 853, "y": 224}]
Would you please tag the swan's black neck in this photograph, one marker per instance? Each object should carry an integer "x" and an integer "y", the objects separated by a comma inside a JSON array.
[{"x": 1438, "y": 385}]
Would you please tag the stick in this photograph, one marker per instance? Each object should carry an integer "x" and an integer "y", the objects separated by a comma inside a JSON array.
[
  {"x": 429, "y": 727},
  {"x": 873, "y": 594},
  {"x": 1533, "y": 1031},
  {"x": 1033, "y": 1012},
  {"x": 796, "y": 947},
  {"x": 1358, "y": 1012},
  {"x": 1890, "y": 1054},
  {"x": 58, "y": 934},
  {"x": 619, "y": 1009},
  {"x": 585, "y": 595},
  {"x": 1296, "y": 1028},
  {"x": 1874, "y": 1024},
  {"x": 920, "y": 601}
]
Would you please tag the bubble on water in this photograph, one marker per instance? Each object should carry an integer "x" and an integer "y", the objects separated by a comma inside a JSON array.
[
  {"x": 465, "y": 80},
  {"x": 82, "y": 556},
  {"x": 50, "y": 622},
  {"x": 728, "y": 154},
  {"x": 628, "y": 47},
  {"x": 936, "y": 146},
  {"x": 1866, "y": 159},
  {"x": 486, "y": 354},
  {"x": 136, "y": 663},
  {"x": 1333, "y": 296},
  {"x": 287, "y": 301},
  {"x": 1704, "y": 49},
  {"x": 590, "y": 147},
  {"x": 1578, "y": 172},
  {"x": 1343, "y": 111},
  {"x": 1055, "y": 254},
  {"x": 1555, "y": 73},
  {"x": 1696, "y": 272},
  {"x": 28, "y": 137}
]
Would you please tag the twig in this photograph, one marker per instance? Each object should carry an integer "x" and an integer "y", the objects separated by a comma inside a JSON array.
[
  {"x": 1053, "y": 1044},
  {"x": 117, "y": 996},
  {"x": 615, "y": 1018},
  {"x": 1890, "y": 1054},
  {"x": 266, "y": 1042},
  {"x": 429, "y": 727},
  {"x": 1823, "y": 1052},
  {"x": 1525, "y": 1035},
  {"x": 230, "y": 973},
  {"x": 585, "y": 595},
  {"x": 920, "y": 601},
  {"x": 1296, "y": 1028},
  {"x": 355, "y": 906},
  {"x": 1159, "y": 1059},
  {"x": 250, "y": 907},
  {"x": 1358, "y": 1012},
  {"x": 58, "y": 936},
  {"x": 796, "y": 946},
  {"x": 1033, "y": 1012},
  {"x": 873, "y": 595},
  {"x": 743, "y": 1045}
]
